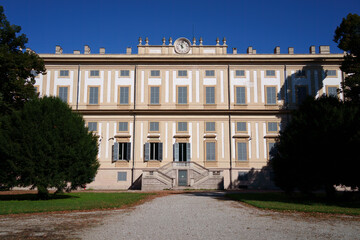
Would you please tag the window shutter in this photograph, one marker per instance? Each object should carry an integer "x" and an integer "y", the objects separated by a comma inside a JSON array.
[
  {"x": 176, "y": 152},
  {"x": 188, "y": 149},
  {"x": 115, "y": 151},
  {"x": 147, "y": 152},
  {"x": 160, "y": 151},
  {"x": 128, "y": 151}
]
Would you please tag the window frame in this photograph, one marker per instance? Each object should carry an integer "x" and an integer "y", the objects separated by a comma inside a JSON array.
[
  {"x": 118, "y": 176},
  {"x": 331, "y": 76},
  {"x": 210, "y": 131},
  {"x": 153, "y": 71},
  {"x": 276, "y": 93},
  {"x": 332, "y": 86},
  {"x": 205, "y": 151},
  {"x": 119, "y": 95},
  {"x": 236, "y": 127},
  {"x": 94, "y": 76},
  {"x": 184, "y": 76},
  {"x": 268, "y": 148},
  {"x": 210, "y": 71},
  {"x": 277, "y": 127},
  {"x": 270, "y": 76},
  {"x": 124, "y": 70},
  {"x": 177, "y": 127},
  {"x": 98, "y": 95},
  {"x": 205, "y": 95},
  {"x": 87, "y": 124},
  {"x": 245, "y": 97},
  {"x": 156, "y": 131},
  {"x": 118, "y": 127},
  {"x": 177, "y": 94},
  {"x": 64, "y": 76},
  {"x": 237, "y": 150},
  {"x": 154, "y": 86},
  {"x": 240, "y": 76},
  {"x": 67, "y": 94}
]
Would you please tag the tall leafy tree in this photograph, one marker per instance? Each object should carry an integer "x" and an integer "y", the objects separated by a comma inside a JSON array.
[
  {"x": 47, "y": 146},
  {"x": 347, "y": 35},
  {"x": 17, "y": 67}
]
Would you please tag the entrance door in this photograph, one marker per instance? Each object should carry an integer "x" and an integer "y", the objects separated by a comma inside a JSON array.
[{"x": 182, "y": 178}]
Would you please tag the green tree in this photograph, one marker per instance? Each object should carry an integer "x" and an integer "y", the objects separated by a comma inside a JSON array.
[
  {"x": 47, "y": 145},
  {"x": 318, "y": 148},
  {"x": 17, "y": 67},
  {"x": 347, "y": 35}
]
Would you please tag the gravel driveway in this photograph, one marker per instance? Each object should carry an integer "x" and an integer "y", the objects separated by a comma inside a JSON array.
[{"x": 209, "y": 216}]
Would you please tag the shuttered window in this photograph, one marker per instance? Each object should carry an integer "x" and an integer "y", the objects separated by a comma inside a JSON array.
[
  {"x": 123, "y": 126},
  {"x": 210, "y": 151},
  {"x": 92, "y": 126},
  {"x": 241, "y": 126},
  {"x": 210, "y": 95},
  {"x": 154, "y": 126},
  {"x": 93, "y": 95},
  {"x": 242, "y": 151},
  {"x": 124, "y": 95},
  {"x": 63, "y": 93},
  {"x": 64, "y": 73},
  {"x": 210, "y": 127},
  {"x": 124, "y": 73},
  {"x": 240, "y": 95},
  {"x": 153, "y": 151},
  {"x": 154, "y": 95},
  {"x": 272, "y": 126},
  {"x": 121, "y": 151},
  {"x": 182, "y": 95},
  {"x": 270, "y": 95}
]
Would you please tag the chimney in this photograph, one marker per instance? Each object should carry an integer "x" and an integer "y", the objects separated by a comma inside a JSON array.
[
  {"x": 277, "y": 50},
  {"x": 58, "y": 49},
  {"x": 249, "y": 50},
  {"x": 128, "y": 50},
  {"x": 254, "y": 51},
  {"x": 234, "y": 51},
  {"x": 324, "y": 49},
  {"x": 312, "y": 50},
  {"x": 291, "y": 50},
  {"x": 86, "y": 49},
  {"x": 76, "y": 51},
  {"x": 102, "y": 50}
]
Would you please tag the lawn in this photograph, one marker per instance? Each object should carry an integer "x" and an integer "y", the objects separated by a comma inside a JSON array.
[
  {"x": 28, "y": 203},
  {"x": 282, "y": 202}
]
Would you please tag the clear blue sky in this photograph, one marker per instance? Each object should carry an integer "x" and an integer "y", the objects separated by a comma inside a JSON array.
[{"x": 116, "y": 25}]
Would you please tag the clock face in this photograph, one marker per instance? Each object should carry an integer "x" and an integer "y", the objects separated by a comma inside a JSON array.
[{"x": 182, "y": 45}]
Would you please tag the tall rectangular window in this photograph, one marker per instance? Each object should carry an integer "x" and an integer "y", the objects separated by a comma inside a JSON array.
[
  {"x": 124, "y": 95},
  {"x": 241, "y": 126},
  {"x": 242, "y": 151},
  {"x": 210, "y": 95},
  {"x": 64, "y": 73},
  {"x": 331, "y": 73},
  {"x": 121, "y": 151},
  {"x": 154, "y": 126},
  {"x": 155, "y": 73},
  {"x": 332, "y": 91},
  {"x": 123, "y": 126},
  {"x": 94, "y": 73},
  {"x": 240, "y": 73},
  {"x": 92, "y": 126},
  {"x": 210, "y": 127},
  {"x": 182, "y": 73},
  {"x": 270, "y": 73},
  {"x": 271, "y": 95},
  {"x": 124, "y": 73},
  {"x": 209, "y": 73},
  {"x": 272, "y": 126},
  {"x": 240, "y": 95},
  {"x": 182, "y": 126},
  {"x": 154, "y": 95},
  {"x": 271, "y": 146},
  {"x": 301, "y": 93},
  {"x": 182, "y": 95},
  {"x": 93, "y": 95},
  {"x": 63, "y": 93},
  {"x": 210, "y": 151}
]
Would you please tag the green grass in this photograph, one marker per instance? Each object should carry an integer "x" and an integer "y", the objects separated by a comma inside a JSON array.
[
  {"x": 299, "y": 203},
  {"x": 28, "y": 203}
]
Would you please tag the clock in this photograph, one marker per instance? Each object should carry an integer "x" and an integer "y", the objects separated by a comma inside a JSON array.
[{"x": 182, "y": 45}]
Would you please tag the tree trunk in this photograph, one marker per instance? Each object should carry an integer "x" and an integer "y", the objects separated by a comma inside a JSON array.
[{"x": 43, "y": 193}]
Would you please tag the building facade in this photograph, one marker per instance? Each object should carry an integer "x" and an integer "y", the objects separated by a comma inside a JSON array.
[{"x": 184, "y": 114}]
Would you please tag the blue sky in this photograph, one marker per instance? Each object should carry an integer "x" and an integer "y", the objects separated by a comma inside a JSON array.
[{"x": 116, "y": 25}]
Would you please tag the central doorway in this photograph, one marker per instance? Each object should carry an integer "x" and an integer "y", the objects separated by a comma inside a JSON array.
[{"x": 182, "y": 178}]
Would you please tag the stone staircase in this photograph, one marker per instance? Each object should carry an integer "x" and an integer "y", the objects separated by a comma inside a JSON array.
[{"x": 166, "y": 177}]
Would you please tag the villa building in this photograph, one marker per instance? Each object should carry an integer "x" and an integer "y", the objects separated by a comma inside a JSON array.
[{"x": 186, "y": 115}]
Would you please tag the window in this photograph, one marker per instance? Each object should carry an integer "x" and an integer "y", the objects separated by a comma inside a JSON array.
[
  {"x": 210, "y": 127},
  {"x": 301, "y": 93},
  {"x": 34, "y": 73},
  {"x": 182, "y": 127},
  {"x": 121, "y": 176},
  {"x": 182, "y": 95},
  {"x": 300, "y": 74},
  {"x": 332, "y": 91},
  {"x": 92, "y": 126},
  {"x": 93, "y": 95},
  {"x": 209, "y": 73},
  {"x": 123, "y": 126},
  {"x": 240, "y": 73},
  {"x": 242, "y": 151},
  {"x": 154, "y": 126},
  {"x": 94, "y": 73},
  {"x": 63, "y": 93},
  {"x": 182, "y": 73},
  {"x": 121, "y": 151},
  {"x": 210, "y": 95},
  {"x": 270, "y": 73},
  {"x": 154, "y": 95},
  {"x": 64, "y": 73},
  {"x": 272, "y": 126},
  {"x": 210, "y": 151},
  {"x": 182, "y": 152},
  {"x": 155, "y": 73},
  {"x": 240, "y": 95},
  {"x": 241, "y": 126},
  {"x": 153, "y": 151},
  {"x": 331, "y": 73},
  {"x": 271, "y": 95},
  {"x": 124, "y": 95},
  {"x": 124, "y": 73},
  {"x": 271, "y": 149}
]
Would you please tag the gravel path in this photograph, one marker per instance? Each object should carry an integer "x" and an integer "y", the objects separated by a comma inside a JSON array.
[{"x": 209, "y": 216}]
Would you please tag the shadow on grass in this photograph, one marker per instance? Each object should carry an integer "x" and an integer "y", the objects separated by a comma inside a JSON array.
[{"x": 32, "y": 197}]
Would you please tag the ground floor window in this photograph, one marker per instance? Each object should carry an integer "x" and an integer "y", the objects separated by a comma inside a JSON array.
[{"x": 121, "y": 176}]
